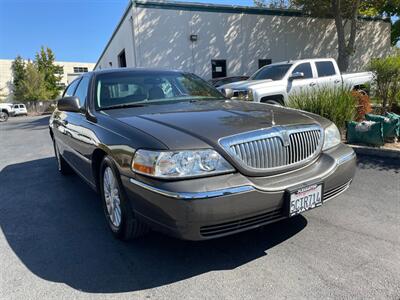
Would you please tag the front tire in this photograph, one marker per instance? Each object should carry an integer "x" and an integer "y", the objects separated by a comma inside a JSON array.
[
  {"x": 118, "y": 212},
  {"x": 273, "y": 102},
  {"x": 3, "y": 116}
]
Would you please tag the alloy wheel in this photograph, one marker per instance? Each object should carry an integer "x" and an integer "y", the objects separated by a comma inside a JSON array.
[{"x": 112, "y": 197}]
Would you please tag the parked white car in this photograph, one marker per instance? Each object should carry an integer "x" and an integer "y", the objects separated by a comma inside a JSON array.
[
  {"x": 6, "y": 110},
  {"x": 20, "y": 110},
  {"x": 274, "y": 83}
]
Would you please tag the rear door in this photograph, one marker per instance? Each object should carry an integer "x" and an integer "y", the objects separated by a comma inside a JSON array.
[
  {"x": 328, "y": 74},
  {"x": 16, "y": 109},
  {"x": 22, "y": 109},
  {"x": 61, "y": 129},
  {"x": 79, "y": 138}
]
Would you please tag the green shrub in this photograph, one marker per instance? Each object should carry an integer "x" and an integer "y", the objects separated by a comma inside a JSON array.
[
  {"x": 337, "y": 105},
  {"x": 386, "y": 79}
]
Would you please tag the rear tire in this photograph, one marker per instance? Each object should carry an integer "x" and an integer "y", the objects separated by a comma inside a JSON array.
[
  {"x": 62, "y": 165},
  {"x": 3, "y": 116},
  {"x": 119, "y": 214}
]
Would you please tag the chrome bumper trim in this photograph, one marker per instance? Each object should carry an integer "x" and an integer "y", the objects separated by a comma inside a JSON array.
[
  {"x": 194, "y": 195},
  {"x": 344, "y": 188},
  {"x": 234, "y": 190},
  {"x": 346, "y": 158}
]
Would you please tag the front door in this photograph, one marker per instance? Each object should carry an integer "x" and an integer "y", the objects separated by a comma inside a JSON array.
[{"x": 302, "y": 85}]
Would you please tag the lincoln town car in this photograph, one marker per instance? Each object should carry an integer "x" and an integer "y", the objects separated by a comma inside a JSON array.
[{"x": 166, "y": 151}]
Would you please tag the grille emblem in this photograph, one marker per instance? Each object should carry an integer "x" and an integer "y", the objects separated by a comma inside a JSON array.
[{"x": 285, "y": 138}]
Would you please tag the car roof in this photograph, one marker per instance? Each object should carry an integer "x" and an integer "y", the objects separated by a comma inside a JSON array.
[
  {"x": 300, "y": 60},
  {"x": 141, "y": 70}
]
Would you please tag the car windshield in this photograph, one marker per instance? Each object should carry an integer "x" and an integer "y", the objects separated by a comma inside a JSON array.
[
  {"x": 138, "y": 88},
  {"x": 273, "y": 72}
]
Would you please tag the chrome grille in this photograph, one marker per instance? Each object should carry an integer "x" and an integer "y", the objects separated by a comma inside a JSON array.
[{"x": 276, "y": 147}]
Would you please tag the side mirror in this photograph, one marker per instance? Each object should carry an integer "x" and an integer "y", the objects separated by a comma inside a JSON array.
[
  {"x": 227, "y": 92},
  {"x": 70, "y": 104},
  {"x": 296, "y": 75}
]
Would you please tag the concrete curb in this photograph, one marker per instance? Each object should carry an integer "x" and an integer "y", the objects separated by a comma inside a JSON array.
[{"x": 377, "y": 152}]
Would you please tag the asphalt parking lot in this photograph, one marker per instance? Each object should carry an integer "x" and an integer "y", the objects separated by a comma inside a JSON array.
[{"x": 54, "y": 242}]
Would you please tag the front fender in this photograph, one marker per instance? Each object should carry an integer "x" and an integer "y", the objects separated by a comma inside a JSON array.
[{"x": 269, "y": 92}]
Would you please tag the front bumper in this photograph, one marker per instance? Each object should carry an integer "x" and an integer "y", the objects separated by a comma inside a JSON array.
[{"x": 211, "y": 207}]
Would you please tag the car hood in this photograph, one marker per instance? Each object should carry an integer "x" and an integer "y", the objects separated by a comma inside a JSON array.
[
  {"x": 201, "y": 124},
  {"x": 243, "y": 85}
]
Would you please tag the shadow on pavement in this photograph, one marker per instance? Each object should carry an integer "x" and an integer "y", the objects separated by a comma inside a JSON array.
[
  {"x": 55, "y": 226},
  {"x": 378, "y": 163},
  {"x": 19, "y": 123}
]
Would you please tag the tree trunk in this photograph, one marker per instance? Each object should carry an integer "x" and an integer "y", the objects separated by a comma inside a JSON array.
[{"x": 345, "y": 48}]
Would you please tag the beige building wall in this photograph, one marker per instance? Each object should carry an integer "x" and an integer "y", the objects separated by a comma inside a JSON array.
[
  {"x": 71, "y": 70},
  {"x": 159, "y": 36}
]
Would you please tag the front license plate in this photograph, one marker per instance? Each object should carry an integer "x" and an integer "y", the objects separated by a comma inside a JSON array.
[{"x": 305, "y": 198}]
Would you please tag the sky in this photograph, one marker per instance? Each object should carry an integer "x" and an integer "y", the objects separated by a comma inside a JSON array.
[{"x": 76, "y": 30}]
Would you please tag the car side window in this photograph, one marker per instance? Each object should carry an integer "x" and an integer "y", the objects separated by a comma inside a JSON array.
[
  {"x": 71, "y": 89},
  {"x": 325, "y": 68},
  {"x": 304, "y": 68},
  {"x": 81, "y": 91}
]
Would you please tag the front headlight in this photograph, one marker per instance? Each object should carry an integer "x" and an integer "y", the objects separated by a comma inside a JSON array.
[
  {"x": 179, "y": 164},
  {"x": 332, "y": 137},
  {"x": 246, "y": 95}
]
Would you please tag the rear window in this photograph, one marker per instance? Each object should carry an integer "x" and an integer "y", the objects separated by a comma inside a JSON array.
[{"x": 325, "y": 68}]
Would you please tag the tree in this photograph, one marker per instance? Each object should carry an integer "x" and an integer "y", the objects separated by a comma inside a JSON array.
[
  {"x": 18, "y": 70},
  {"x": 346, "y": 15},
  {"x": 274, "y": 3},
  {"x": 33, "y": 85},
  {"x": 388, "y": 8},
  {"x": 387, "y": 79},
  {"x": 44, "y": 60}
]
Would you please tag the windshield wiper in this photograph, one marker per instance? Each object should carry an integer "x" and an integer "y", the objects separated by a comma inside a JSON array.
[
  {"x": 205, "y": 99},
  {"x": 123, "y": 106}
]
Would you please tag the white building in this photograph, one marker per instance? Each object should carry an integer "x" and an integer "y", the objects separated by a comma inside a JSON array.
[
  {"x": 219, "y": 40},
  {"x": 70, "y": 71}
]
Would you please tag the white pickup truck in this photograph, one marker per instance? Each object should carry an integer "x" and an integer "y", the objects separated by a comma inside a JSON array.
[
  {"x": 276, "y": 82},
  {"x": 6, "y": 110}
]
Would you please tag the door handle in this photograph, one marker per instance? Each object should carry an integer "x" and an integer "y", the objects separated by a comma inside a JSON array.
[
  {"x": 337, "y": 81},
  {"x": 313, "y": 84}
]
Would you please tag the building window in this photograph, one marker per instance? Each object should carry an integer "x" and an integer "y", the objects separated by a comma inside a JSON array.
[
  {"x": 218, "y": 68},
  {"x": 80, "y": 69},
  {"x": 122, "y": 59},
  {"x": 264, "y": 62},
  {"x": 61, "y": 85}
]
